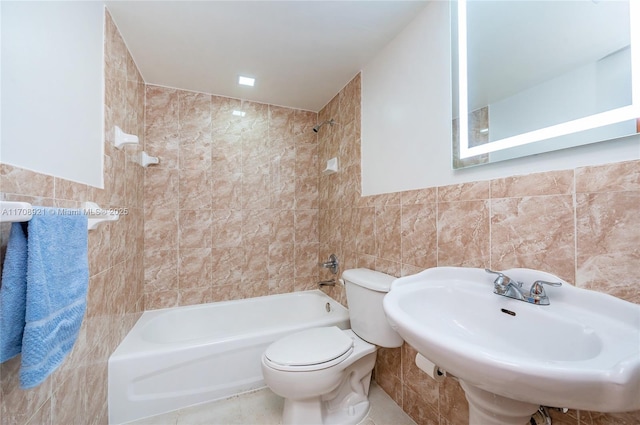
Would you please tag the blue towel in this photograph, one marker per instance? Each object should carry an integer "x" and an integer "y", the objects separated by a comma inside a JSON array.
[
  {"x": 56, "y": 291},
  {"x": 13, "y": 294}
]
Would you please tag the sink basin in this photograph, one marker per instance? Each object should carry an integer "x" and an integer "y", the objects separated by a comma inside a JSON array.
[{"x": 582, "y": 351}]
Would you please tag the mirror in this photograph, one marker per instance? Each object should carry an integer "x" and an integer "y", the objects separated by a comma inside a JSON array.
[{"x": 536, "y": 76}]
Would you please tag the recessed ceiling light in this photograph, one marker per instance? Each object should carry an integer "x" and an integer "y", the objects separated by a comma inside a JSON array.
[
  {"x": 246, "y": 81},
  {"x": 239, "y": 113}
]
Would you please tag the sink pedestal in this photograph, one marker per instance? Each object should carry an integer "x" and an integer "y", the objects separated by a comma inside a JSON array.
[{"x": 486, "y": 408}]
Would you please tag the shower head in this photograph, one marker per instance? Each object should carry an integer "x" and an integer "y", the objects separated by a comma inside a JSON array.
[{"x": 330, "y": 122}]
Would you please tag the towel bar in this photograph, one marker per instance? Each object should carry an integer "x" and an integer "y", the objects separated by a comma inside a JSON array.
[{"x": 11, "y": 211}]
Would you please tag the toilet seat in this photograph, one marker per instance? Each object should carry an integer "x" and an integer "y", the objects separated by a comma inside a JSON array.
[{"x": 311, "y": 349}]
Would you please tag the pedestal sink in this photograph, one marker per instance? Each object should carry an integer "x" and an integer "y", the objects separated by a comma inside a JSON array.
[{"x": 582, "y": 351}]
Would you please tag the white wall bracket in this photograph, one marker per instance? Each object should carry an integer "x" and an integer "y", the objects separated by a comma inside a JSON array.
[
  {"x": 145, "y": 159},
  {"x": 97, "y": 215},
  {"x": 121, "y": 138}
]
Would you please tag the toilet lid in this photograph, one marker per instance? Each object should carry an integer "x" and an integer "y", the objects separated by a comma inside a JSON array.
[{"x": 316, "y": 346}]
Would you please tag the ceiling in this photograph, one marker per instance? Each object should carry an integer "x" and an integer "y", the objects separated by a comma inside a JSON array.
[{"x": 301, "y": 52}]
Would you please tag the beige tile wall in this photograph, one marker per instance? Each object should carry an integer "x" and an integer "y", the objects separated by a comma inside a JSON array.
[
  {"x": 231, "y": 210},
  {"x": 579, "y": 224},
  {"x": 77, "y": 392}
]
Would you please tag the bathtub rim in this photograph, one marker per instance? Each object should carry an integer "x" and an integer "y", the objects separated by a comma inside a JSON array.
[{"x": 134, "y": 345}]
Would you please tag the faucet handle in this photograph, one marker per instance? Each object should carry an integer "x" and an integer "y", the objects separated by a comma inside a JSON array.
[
  {"x": 538, "y": 289},
  {"x": 503, "y": 279}
]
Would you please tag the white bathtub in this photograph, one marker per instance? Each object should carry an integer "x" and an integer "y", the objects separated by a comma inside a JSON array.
[{"x": 177, "y": 357}]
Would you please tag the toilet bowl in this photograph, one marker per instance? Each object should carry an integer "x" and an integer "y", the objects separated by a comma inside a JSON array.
[{"x": 324, "y": 373}]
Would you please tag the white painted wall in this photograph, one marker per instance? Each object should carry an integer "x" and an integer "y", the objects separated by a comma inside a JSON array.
[
  {"x": 406, "y": 118},
  {"x": 52, "y": 88}
]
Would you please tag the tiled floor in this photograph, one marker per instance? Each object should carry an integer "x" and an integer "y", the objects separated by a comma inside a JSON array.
[{"x": 263, "y": 407}]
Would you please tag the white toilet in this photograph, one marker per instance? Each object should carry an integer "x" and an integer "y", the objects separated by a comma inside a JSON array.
[{"x": 324, "y": 373}]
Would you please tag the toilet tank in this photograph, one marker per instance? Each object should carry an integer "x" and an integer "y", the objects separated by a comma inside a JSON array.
[{"x": 365, "y": 291}]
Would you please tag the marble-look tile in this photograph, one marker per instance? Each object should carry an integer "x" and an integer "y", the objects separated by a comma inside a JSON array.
[
  {"x": 349, "y": 151},
  {"x": 161, "y": 188},
  {"x": 534, "y": 232},
  {"x": 194, "y": 229},
  {"x": 98, "y": 249},
  {"x": 227, "y": 266},
  {"x": 306, "y": 260},
  {"x": 193, "y": 296},
  {"x": 222, "y": 119},
  {"x": 18, "y": 405},
  {"x": 328, "y": 219},
  {"x": 392, "y": 268},
  {"x": 421, "y": 413},
  {"x": 350, "y": 190},
  {"x": 595, "y": 418},
  {"x": 226, "y": 228},
  {"x": 465, "y": 192},
  {"x": 255, "y": 190},
  {"x": 42, "y": 416},
  {"x": 306, "y": 192},
  {"x": 607, "y": 242},
  {"x": 67, "y": 189},
  {"x": 453, "y": 404},
  {"x": 281, "y": 122},
  {"x": 419, "y": 235},
  {"x": 463, "y": 234},
  {"x": 256, "y": 263},
  {"x": 96, "y": 378},
  {"x": 161, "y": 299},
  {"x": 256, "y": 226},
  {"x": 349, "y": 98},
  {"x": 549, "y": 183},
  {"x": 195, "y": 190},
  {"x": 227, "y": 192},
  {"x": 115, "y": 51},
  {"x": 366, "y": 237},
  {"x": 391, "y": 385},
  {"x": 25, "y": 182},
  {"x": 194, "y": 268},
  {"x": 418, "y": 381},
  {"x": 194, "y": 117},
  {"x": 306, "y": 226},
  {"x": 96, "y": 294},
  {"x": 559, "y": 418},
  {"x": 282, "y": 226},
  {"x": 161, "y": 229},
  {"x": 226, "y": 155},
  {"x": 621, "y": 176},
  {"x": 160, "y": 269},
  {"x": 389, "y": 362},
  {"x": 162, "y": 125},
  {"x": 419, "y": 197},
  {"x": 67, "y": 403}
]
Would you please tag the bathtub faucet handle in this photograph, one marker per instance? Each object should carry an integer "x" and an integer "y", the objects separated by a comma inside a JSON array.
[{"x": 332, "y": 264}]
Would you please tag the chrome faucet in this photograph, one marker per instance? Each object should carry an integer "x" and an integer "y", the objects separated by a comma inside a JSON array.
[
  {"x": 332, "y": 264},
  {"x": 507, "y": 287}
]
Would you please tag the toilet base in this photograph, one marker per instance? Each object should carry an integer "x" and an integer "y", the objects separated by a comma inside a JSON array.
[{"x": 347, "y": 404}]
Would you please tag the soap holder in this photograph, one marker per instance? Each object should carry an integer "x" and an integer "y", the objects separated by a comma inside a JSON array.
[{"x": 332, "y": 166}]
